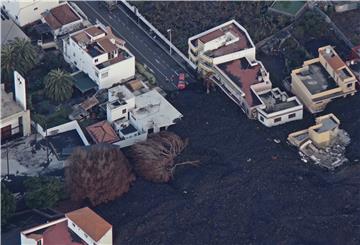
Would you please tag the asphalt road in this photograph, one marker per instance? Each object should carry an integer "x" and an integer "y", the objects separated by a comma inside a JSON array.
[{"x": 145, "y": 49}]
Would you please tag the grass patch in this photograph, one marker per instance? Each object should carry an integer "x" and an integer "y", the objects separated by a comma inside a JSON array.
[{"x": 289, "y": 7}]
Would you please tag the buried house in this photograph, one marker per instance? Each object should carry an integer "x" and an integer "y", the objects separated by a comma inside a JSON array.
[{"x": 324, "y": 143}]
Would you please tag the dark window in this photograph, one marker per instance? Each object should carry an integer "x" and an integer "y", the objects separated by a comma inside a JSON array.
[
  {"x": 39, "y": 242},
  {"x": 277, "y": 119},
  {"x": 261, "y": 118},
  {"x": 75, "y": 62},
  {"x": 292, "y": 115},
  {"x": 349, "y": 85},
  {"x": 150, "y": 130},
  {"x": 16, "y": 17},
  {"x": 35, "y": 8},
  {"x": 124, "y": 111},
  {"x": 96, "y": 60}
]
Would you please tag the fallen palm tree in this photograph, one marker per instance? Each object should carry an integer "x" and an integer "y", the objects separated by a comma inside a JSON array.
[
  {"x": 99, "y": 173},
  {"x": 154, "y": 159}
]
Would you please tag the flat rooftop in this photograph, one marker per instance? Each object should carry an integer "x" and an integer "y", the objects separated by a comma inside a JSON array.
[
  {"x": 64, "y": 143},
  {"x": 9, "y": 106},
  {"x": 128, "y": 130},
  {"x": 327, "y": 124},
  {"x": 316, "y": 79},
  {"x": 60, "y": 15},
  {"x": 276, "y": 104},
  {"x": 152, "y": 106},
  {"x": 242, "y": 43},
  {"x": 244, "y": 76}
]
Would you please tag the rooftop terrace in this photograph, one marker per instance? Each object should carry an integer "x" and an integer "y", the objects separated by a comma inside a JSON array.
[
  {"x": 316, "y": 79},
  {"x": 275, "y": 104},
  {"x": 243, "y": 75}
]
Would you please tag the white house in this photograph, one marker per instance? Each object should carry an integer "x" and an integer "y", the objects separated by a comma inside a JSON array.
[
  {"x": 226, "y": 56},
  {"x": 27, "y": 11},
  {"x": 100, "y": 54},
  {"x": 15, "y": 117},
  {"x": 62, "y": 19},
  {"x": 223, "y": 43},
  {"x": 134, "y": 110},
  {"x": 278, "y": 108},
  {"x": 80, "y": 226}
]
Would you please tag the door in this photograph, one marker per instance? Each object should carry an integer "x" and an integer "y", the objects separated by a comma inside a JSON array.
[{"x": 5, "y": 132}]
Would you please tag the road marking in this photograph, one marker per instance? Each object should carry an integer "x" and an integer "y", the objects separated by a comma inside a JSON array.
[
  {"x": 157, "y": 61},
  {"x": 107, "y": 22},
  {"x": 157, "y": 44}
]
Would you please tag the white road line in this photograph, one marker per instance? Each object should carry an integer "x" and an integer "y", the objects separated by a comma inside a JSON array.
[
  {"x": 157, "y": 61},
  {"x": 129, "y": 43}
]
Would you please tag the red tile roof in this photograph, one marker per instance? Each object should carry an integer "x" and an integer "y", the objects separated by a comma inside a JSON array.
[
  {"x": 107, "y": 45},
  {"x": 56, "y": 234},
  {"x": 102, "y": 132},
  {"x": 94, "y": 31},
  {"x": 243, "y": 75},
  {"x": 59, "y": 16},
  {"x": 91, "y": 223},
  {"x": 334, "y": 60},
  {"x": 211, "y": 36}
]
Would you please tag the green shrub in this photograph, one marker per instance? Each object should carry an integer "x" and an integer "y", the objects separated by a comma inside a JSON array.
[
  {"x": 8, "y": 204},
  {"x": 43, "y": 192}
]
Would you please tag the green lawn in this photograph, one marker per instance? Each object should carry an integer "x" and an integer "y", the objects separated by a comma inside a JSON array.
[{"x": 289, "y": 7}]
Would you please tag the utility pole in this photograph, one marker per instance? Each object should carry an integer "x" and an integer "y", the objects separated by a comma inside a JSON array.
[
  {"x": 169, "y": 31},
  {"x": 47, "y": 145},
  {"x": 7, "y": 160}
]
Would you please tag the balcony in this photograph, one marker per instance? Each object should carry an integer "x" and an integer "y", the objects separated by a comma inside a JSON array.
[{"x": 192, "y": 46}]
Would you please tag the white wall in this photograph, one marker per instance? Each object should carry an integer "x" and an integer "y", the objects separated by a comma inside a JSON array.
[
  {"x": 78, "y": 231},
  {"x": 269, "y": 119},
  {"x": 114, "y": 114},
  {"x": 20, "y": 89},
  {"x": 13, "y": 120},
  {"x": 131, "y": 141},
  {"x": 107, "y": 239},
  {"x": 27, "y": 241},
  {"x": 248, "y": 53},
  {"x": 119, "y": 72},
  {"x": 27, "y": 11},
  {"x": 63, "y": 128}
]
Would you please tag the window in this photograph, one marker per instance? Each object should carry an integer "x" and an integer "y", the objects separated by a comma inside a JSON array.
[
  {"x": 96, "y": 74},
  {"x": 124, "y": 111},
  {"x": 105, "y": 74},
  {"x": 16, "y": 17},
  {"x": 261, "y": 118},
  {"x": 349, "y": 85},
  {"x": 278, "y": 119},
  {"x": 75, "y": 63},
  {"x": 292, "y": 115},
  {"x": 39, "y": 242},
  {"x": 35, "y": 8},
  {"x": 96, "y": 60},
  {"x": 73, "y": 224}
]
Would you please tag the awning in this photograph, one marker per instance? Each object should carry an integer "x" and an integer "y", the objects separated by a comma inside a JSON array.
[{"x": 83, "y": 82}]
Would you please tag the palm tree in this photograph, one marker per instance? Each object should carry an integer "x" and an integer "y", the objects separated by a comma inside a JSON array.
[
  {"x": 7, "y": 64},
  {"x": 58, "y": 85},
  {"x": 25, "y": 53},
  {"x": 19, "y": 55}
]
